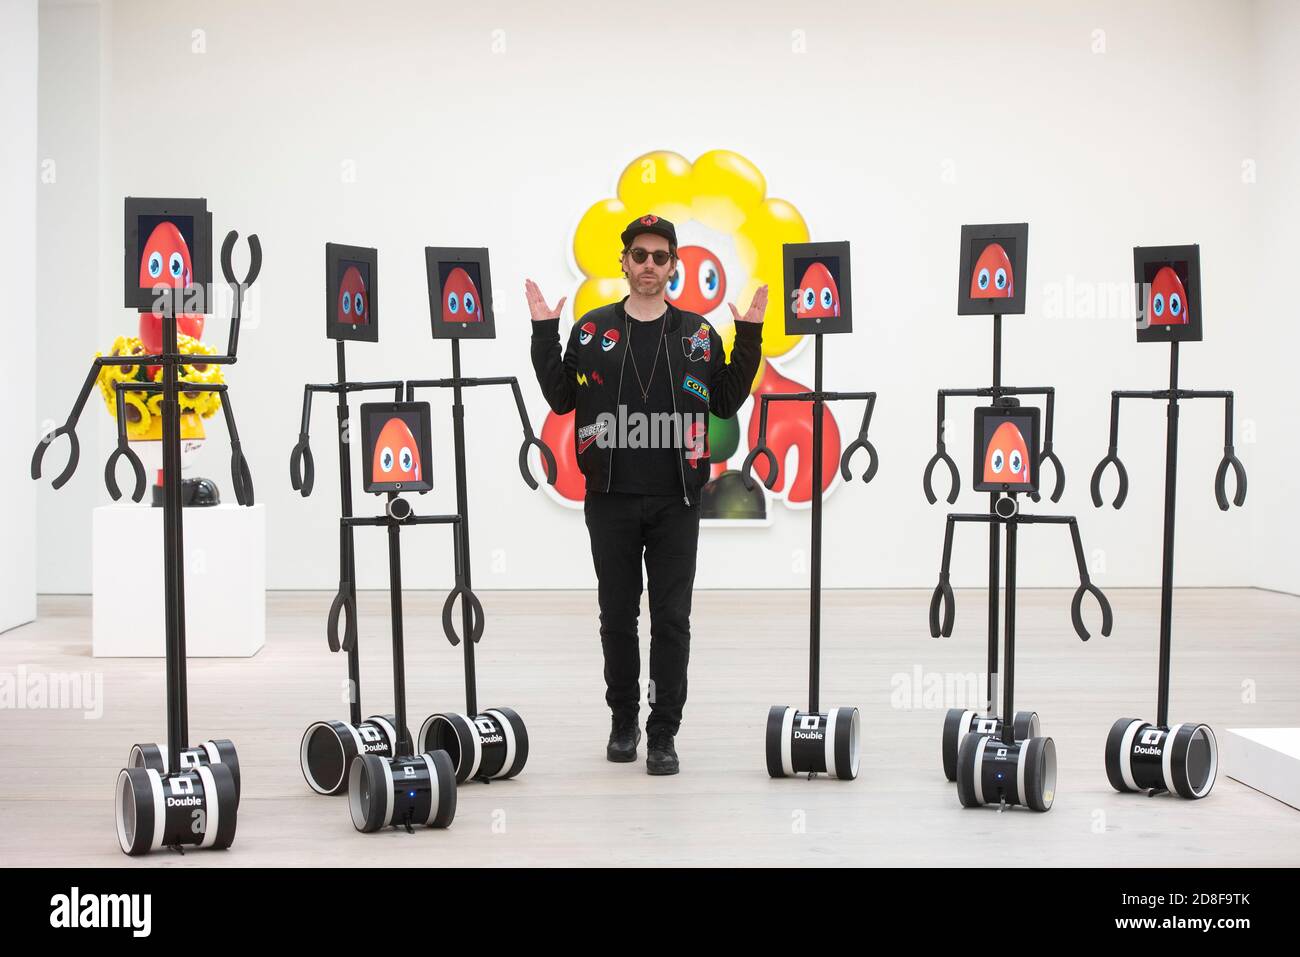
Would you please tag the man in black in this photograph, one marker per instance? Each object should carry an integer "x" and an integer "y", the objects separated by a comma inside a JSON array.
[{"x": 642, "y": 377}]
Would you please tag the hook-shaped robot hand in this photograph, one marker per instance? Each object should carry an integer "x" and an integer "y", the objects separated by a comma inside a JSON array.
[
  {"x": 476, "y": 614},
  {"x": 74, "y": 453},
  {"x": 873, "y": 461},
  {"x": 941, "y": 455},
  {"x": 1112, "y": 458},
  {"x": 1076, "y": 610},
  {"x": 254, "y": 259},
  {"x": 1220, "y": 479},
  {"x": 942, "y": 601},
  {"x": 344, "y": 602},
  {"x": 123, "y": 449},
  {"x": 548, "y": 461},
  {"x": 1057, "y": 468},
  {"x": 302, "y": 467},
  {"x": 240, "y": 476},
  {"x": 110, "y": 478},
  {"x": 746, "y": 470},
  {"x": 1086, "y": 586}
]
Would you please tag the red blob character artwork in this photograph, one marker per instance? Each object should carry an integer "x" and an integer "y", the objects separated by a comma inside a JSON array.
[
  {"x": 1167, "y": 299},
  {"x": 353, "y": 305},
  {"x": 699, "y": 283},
  {"x": 1007, "y": 457},
  {"x": 166, "y": 261},
  {"x": 461, "y": 301},
  {"x": 818, "y": 294},
  {"x": 397, "y": 454},
  {"x": 993, "y": 277}
]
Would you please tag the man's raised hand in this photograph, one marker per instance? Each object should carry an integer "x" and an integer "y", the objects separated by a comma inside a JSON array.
[
  {"x": 757, "y": 306},
  {"x": 538, "y": 308}
]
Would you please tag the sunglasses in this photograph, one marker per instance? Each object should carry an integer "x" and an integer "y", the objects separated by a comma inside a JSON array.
[{"x": 640, "y": 255}]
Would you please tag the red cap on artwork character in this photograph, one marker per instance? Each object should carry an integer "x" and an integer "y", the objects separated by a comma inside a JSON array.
[{"x": 397, "y": 456}]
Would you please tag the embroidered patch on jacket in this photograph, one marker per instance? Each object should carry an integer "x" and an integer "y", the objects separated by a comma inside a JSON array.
[
  {"x": 584, "y": 378},
  {"x": 585, "y": 332},
  {"x": 698, "y": 346},
  {"x": 609, "y": 340},
  {"x": 589, "y": 433},
  {"x": 696, "y": 388}
]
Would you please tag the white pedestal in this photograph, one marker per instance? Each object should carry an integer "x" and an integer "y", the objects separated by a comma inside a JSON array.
[
  {"x": 225, "y": 581},
  {"x": 1266, "y": 759}
]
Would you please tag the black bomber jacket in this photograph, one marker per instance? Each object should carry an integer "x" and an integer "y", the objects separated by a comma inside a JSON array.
[{"x": 588, "y": 378}]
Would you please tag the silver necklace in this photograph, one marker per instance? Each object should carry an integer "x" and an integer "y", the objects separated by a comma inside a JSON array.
[{"x": 641, "y": 386}]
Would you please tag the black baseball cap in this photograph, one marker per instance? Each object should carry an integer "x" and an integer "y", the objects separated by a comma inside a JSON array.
[{"x": 650, "y": 223}]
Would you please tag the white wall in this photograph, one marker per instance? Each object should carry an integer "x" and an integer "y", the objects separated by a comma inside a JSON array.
[
  {"x": 1103, "y": 126},
  {"x": 18, "y": 280},
  {"x": 1275, "y": 200}
]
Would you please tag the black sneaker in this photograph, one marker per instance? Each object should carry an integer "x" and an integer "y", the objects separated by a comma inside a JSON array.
[
  {"x": 624, "y": 735},
  {"x": 661, "y": 757}
]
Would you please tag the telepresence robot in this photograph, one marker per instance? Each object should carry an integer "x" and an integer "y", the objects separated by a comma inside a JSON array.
[
  {"x": 994, "y": 765},
  {"x": 179, "y": 795},
  {"x": 992, "y": 277},
  {"x": 1140, "y": 756},
  {"x": 352, "y": 313},
  {"x": 491, "y": 744},
  {"x": 814, "y": 741},
  {"x": 406, "y": 788}
]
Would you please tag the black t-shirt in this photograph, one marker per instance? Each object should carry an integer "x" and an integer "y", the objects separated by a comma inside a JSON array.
[{"x": 648, "y": 470}]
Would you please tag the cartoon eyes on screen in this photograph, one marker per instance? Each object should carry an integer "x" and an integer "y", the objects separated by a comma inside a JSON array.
[
  {"x": 166, "y": 259},
  {"x": 460, "y": 299},
  {"x": 397, "y": 456},
  {"x": 993, "y": 278},
  {"x": 354, "y": 302},
  {"x": 1007, "y": 457},
  {"x": 698, "y": 284},
  {"x": 818, "y": 297},
  {"x": 1167, "y": 300}
]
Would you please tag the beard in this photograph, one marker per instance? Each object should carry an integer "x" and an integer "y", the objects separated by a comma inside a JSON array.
[{"x": 649, "y": 285}]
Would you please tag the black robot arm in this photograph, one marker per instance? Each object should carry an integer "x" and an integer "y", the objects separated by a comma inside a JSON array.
[
  {"x": 1050, "y": 456},
  {"x": 530, "y": 438},
  {"x": 236, "y": 286},
  {"x": 1229, "y": 460},
  {"x": 861, "y": 442},
  {"x": 1112, "y": 457},
  {"x": 123, "y": 450},
  {"x": 941, "y": 455}
]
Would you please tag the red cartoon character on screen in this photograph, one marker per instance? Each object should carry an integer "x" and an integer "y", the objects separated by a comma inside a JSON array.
[
  {"x": 460, "y": 299},
  {"x": 397, "y": 455},
  {"x": 992, "y": 278},
  {"x": 698, "y": 284},
  {"x": 1167, "y": 300},
  {"x": 166, "y": 261},
  {"x": 818, "y": 294},
  {"x": 354, "y": 301},
  {"x": 1006, "y": 460}
]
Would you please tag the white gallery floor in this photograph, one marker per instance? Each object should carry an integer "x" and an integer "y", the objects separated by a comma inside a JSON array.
[{"x": 1236, "y": 664}]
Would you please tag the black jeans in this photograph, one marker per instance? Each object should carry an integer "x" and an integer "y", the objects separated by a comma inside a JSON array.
[{"x": 668, "y": 530}]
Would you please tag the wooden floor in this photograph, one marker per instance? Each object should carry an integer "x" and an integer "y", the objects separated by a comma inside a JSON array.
[{"x": 1236, "y": 664}]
